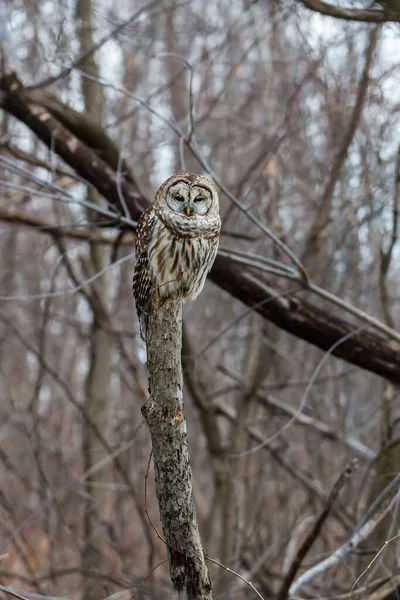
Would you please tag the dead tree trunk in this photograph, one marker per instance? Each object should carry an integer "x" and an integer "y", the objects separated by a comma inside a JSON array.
[{"x": 164, "y": 413}]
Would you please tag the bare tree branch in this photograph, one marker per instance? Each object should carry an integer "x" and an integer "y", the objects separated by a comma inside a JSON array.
[
  {"x": 361, "y": 534},
  {"x": 314, "y": 533},
  {"x": 352, "y": 14}
]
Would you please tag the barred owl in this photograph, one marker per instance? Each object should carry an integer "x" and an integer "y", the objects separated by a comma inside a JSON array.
[{"x": 176, "y": 243}]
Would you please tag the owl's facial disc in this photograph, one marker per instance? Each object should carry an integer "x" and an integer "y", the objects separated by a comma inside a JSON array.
[
  {"x": 178, "y": 197},
  {"x": 182, "y": 198},
  {"x": 200, "y": 200}
]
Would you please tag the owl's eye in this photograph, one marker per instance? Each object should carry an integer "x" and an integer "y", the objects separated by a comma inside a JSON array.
[
  {"x": 179, "y": 198},
  {"x": 199, "y": 199}
]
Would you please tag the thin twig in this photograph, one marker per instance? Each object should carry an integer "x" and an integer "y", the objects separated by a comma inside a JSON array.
[
  {"x": 147, "y": 576},
  {"x": 216, "y": 562},
  {"x": 83, "y": 57},
  {"x": 304, "y": 399},
  {"x": 372, "y": 561},
  {"x": 145, "y": 500}
]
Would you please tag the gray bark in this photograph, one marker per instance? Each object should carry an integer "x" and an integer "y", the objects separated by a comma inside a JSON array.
[{"x": 164, "y": 413}]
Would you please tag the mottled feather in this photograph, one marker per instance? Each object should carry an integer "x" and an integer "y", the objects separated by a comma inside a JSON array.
[{"x": 175, "y": 250}]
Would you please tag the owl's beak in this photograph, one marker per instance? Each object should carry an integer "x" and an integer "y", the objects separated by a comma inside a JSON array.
[{"x": 188, "y": 211}]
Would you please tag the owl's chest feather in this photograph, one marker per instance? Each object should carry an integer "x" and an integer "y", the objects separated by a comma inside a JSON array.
[{"x": 172, "y": 258}]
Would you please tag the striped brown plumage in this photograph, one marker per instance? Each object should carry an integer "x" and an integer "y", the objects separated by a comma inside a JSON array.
[{"x": 176, "y": 243}]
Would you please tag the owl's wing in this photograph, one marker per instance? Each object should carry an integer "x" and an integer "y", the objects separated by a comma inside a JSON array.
[
  {"x": 213, "y": 243},
  {"x": 142, "y": 280}
]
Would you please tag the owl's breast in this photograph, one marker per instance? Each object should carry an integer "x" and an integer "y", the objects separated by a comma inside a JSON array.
[{"x": 175, "y": 263}]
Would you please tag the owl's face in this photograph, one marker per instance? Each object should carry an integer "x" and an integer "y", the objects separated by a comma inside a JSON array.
[
  {"x": 190, "y": 200},
  {"x": 188, "y": 205}
]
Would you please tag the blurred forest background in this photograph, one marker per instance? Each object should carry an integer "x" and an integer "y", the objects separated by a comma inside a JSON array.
[{"x": 291, "y": 356}]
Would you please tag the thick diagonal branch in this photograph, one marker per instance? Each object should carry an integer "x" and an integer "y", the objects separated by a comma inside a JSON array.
[{"x": 368, "y": 15}]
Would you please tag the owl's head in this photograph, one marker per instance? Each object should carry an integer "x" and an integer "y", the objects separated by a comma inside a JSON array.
[{"x": 189, "y": 195}]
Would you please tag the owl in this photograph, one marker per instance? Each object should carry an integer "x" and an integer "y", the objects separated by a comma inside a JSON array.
[{"x": 176, "y": 243}]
